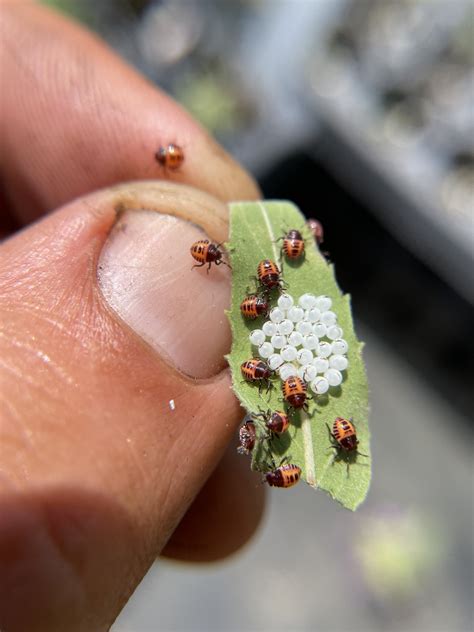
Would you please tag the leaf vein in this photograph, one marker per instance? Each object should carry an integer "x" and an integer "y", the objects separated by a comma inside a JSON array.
[
  {"x": 308, "y": 450},
  {"x": 276, "y": 255}
]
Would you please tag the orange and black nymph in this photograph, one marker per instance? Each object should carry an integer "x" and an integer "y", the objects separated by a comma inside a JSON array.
[
  {"x": 257, "y": 371},
  {"x": 254, "y": 306},
  {"x": 276, "y": 421},
  {"x": 344, "y": 433},
  {"x": 295, "y": 392},
  {"x": 284, "y": 476},
  {"x": 268, "y": 274},
  {"x": 170, "y": 157},
  {"x": 205, "y": 252},
  {"x": 293, "y": 244},
  {"x": 344, "y": 438}
]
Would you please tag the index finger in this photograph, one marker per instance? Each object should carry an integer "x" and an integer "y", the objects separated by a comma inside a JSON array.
[{"x": 76, "y": 118}]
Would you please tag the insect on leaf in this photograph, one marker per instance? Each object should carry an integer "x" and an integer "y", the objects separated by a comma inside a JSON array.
[{"x": 255, "y": 228}]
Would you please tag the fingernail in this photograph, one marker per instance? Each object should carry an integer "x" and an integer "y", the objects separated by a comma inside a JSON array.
[{"x": 145, "y": 274}]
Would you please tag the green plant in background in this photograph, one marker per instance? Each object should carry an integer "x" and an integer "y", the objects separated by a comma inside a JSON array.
[
  {"x": 82, "y": 11},
  {"x": 398, "y": 551},
  {"x": 211, "y": 100},
  {"x": 254, "y": 230}
]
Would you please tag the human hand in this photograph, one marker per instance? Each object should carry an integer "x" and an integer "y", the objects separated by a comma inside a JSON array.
[{"x": 97, "y": 473}]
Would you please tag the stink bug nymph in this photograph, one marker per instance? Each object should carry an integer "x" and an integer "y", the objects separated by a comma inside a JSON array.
[
  {"x": 344, "y": 439},
  {"x": 293, "y": 244},
  {"x": 205, "y": 252},
  {"x": 268, "y": 274},
  {"x": 295, "y": 392},
  {"x": 257, "y": 371},
  {"x": 284, "y": 476},
  {"x": 170, "y": 157},
  {"x": 254, "y": 306},
  {"x": 276, "y": 422}
]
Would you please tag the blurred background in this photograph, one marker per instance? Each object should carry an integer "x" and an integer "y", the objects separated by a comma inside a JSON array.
[{"x": 361, "y": 112}]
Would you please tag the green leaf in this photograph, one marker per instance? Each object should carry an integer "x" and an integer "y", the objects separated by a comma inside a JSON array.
[{"x": 254, "y": 230}]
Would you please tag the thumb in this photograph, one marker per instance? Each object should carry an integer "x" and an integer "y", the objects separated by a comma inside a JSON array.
[{"x": 116, "y": 406}]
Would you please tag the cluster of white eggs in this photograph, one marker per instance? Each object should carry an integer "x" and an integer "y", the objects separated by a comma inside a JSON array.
[{"x": 303, "y": 339}]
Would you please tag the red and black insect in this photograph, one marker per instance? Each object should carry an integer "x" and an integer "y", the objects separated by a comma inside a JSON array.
[
  {"x": 268, "y": 274},
  {"x": 257, "y": 371},
  {"x": 293, "y": 244},
  {"x": 248, "y": 437},
  {"x": 284, "y": 476},
  {"x": 254, "y": 306},
  {"x": 170, "y": 157},
  {"x": 344, "y": 438},
  {"x": 295, "y": 392},
  {"x": 205, "y": 252},
  {"x": 277, "y": 421},
  {"x": 316, "y": 229}
]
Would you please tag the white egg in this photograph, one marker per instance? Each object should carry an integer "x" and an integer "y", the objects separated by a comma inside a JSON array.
[
  {"x": 257, "y": 337},
  {"x": 338, "y": 362},
  {"x": 278, "y": 341},
  {"x": 307, "y": 301},
  {"x": 276, "y": 315},
  {"x": 339, "y": 347},
  {"x": 285, "y": 327},
  {"x": 269, "y": 328},
  {"x": 333, "y": 377},
  {"x": 289, "y": 353},
  {"x": 304, "y": 356},
  {"x": 285, "y": 301},
  {"x": 323, "y": 303},
  {"x": 319, "y": 386},
  {"x": 286, "y": 371},
  {"x": 274, "y": 361},
  {"x": 311, "y": 342},
  {"x": 265, "y": 350}
]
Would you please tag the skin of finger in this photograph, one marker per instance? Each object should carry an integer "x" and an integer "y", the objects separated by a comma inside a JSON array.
[
  {"x": 76, "y": 118},
  {"x": 233, "y": 522},
  {"x": 233, "y": 491},
  {"x": 132, "y": 465}
]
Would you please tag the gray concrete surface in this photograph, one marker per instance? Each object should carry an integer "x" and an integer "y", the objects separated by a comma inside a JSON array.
[{"x": 301, "y": 572}]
